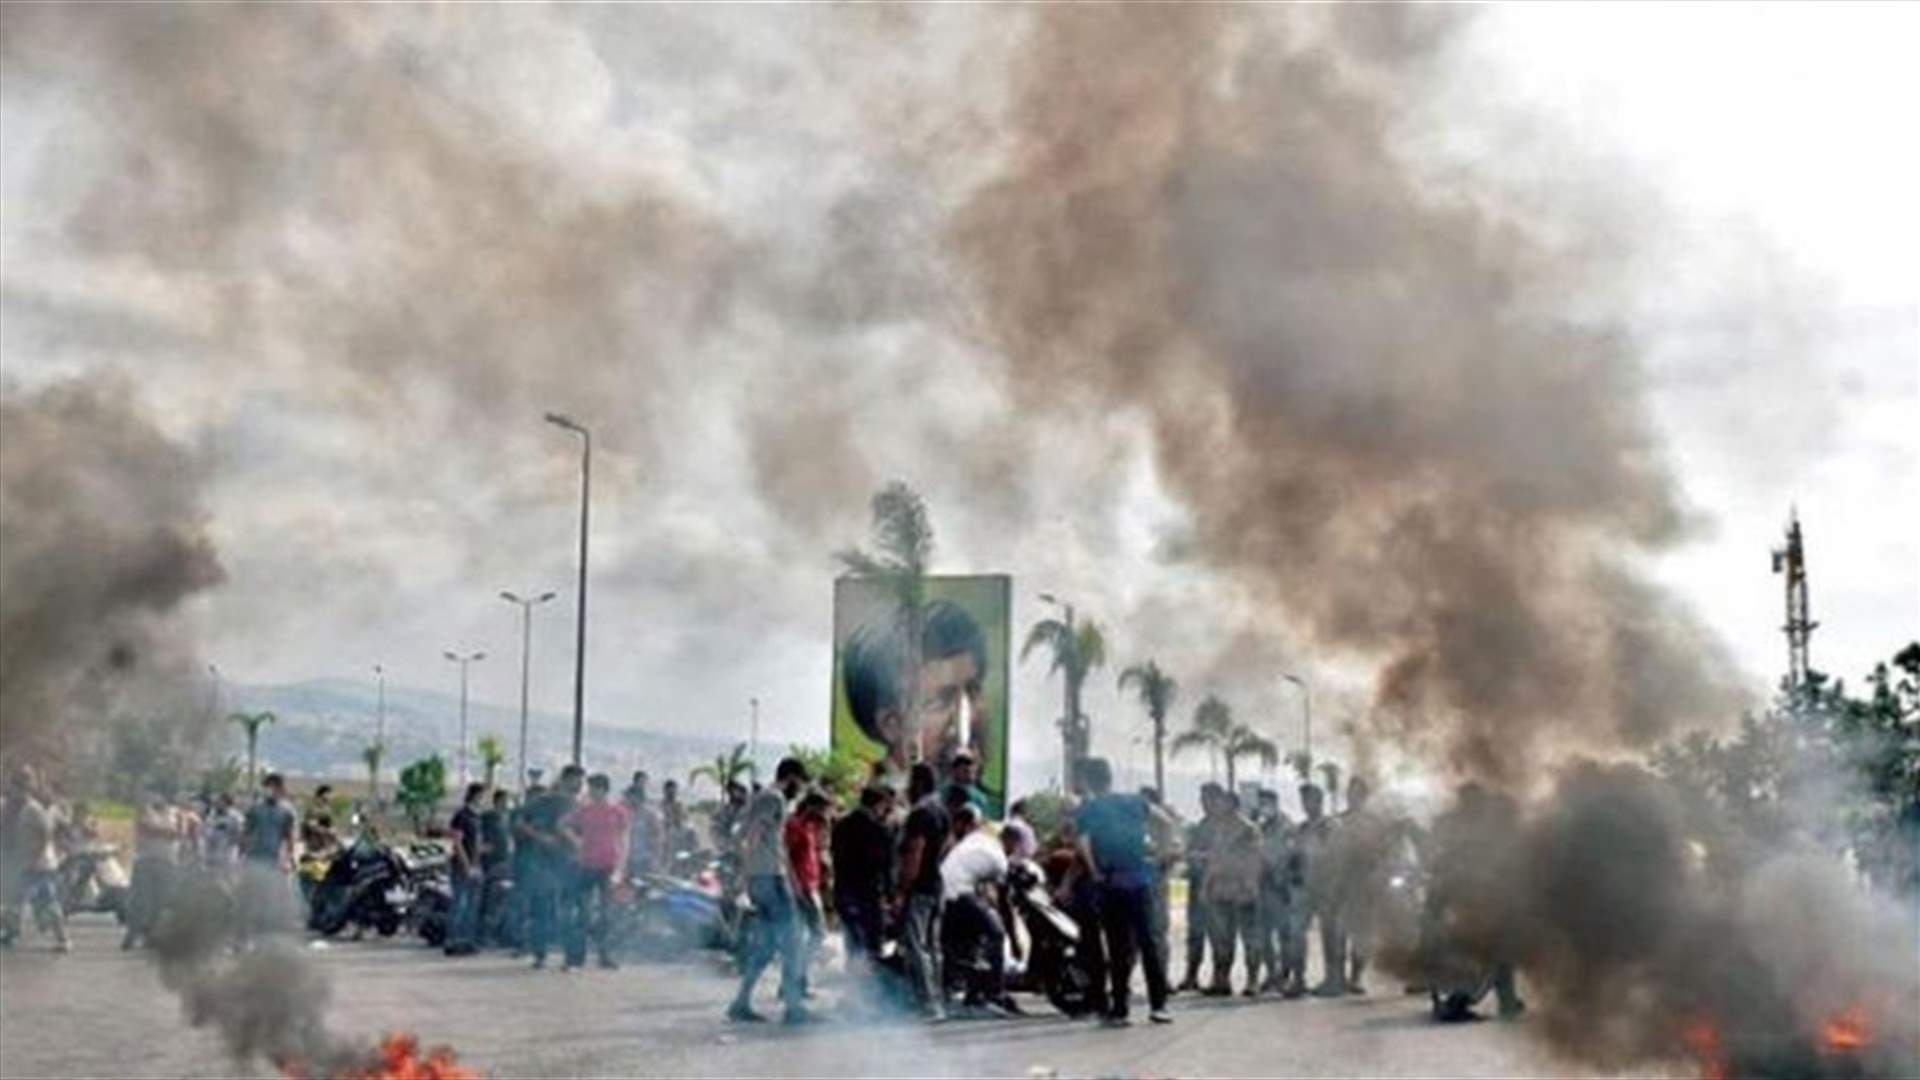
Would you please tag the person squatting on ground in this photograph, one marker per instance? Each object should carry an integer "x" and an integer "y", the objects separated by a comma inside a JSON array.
[
  {"x": 30, "y": 859},
  {"x": 1113, "y": 837},
  {"x": 975, "y": 913},
  {"x": 551, "y": 842},
  {"x": 598, "y": 868},
  {"x": 765, "y": 867},
  {"x": 923, "y": 843},
  {"x": 1233, "y": 896},
  {"x": 468, "y": 876}
]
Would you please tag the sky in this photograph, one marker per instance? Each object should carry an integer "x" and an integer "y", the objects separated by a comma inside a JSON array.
[{"x": 348, "y": 259}]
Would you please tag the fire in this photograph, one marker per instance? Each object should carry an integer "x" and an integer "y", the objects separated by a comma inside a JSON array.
[
  {"x": 400, "y": 1059},
  {"x": 1702, "y": 1037},
  {"x": 1845, "y": 1030}
]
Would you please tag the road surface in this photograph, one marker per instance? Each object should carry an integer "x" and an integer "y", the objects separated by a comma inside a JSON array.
[{"x": 100, "y": 1012}]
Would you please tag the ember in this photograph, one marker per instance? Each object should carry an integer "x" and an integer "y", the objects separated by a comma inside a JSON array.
[
  {"x": 1846, "y": 1030},
  {"x": 1703, "y": 1041}
]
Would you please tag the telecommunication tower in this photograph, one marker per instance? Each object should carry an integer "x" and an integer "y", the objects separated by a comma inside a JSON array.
[{"x": 1791, "y": 560}]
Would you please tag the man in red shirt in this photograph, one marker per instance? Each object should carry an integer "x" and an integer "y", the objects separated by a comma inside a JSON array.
[
  {"x": 599, "y": 866},
  {"x": 803, "y": 832}
]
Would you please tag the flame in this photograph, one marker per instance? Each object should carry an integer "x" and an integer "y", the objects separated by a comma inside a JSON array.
[
  {"x": 1845, "y": 1030},
  {"x": 1702, "y": 1037},
  {"x": 400, "y": 1059}
]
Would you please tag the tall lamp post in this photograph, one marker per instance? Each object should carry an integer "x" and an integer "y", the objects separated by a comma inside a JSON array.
[
  {"x": 380, "y": 704},
  {"x": 526, "y": 650},
  {"x": 753, "y": 735},
  {"x": 1306, "y": 699},
  {"x": 580, "y": 620},
  {"x": 463, "y": 661}
]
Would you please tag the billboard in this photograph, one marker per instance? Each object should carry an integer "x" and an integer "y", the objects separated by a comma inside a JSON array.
[{"x": 962, "y": 678}]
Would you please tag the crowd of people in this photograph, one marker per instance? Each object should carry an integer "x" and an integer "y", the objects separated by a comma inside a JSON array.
[{"x": 915, "y": 881}]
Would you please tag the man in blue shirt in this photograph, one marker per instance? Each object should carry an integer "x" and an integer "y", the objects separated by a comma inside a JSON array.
[{"x": 1113, "y": 836}]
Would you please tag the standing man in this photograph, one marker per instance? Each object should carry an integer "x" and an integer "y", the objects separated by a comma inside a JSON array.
[
  {"x": 966, "y": 773},
  {"x": 526, "y": 853},
  {"x": 545, "y": 829},
  {"x": 33, "y": 830},
  {"x": 764, "y": 865},
  {"x": 863, "y": 853},
  {"x": 496, "y": 868},
  {"x": 603, "y": 826},
  {"x": 1163, "y": 849},
  {"x": 1199, "y": 848},
  {"x": 1365, "y": 840},
  {"x": 469, "y": 878},
  {"x": 923, "y": 843},
  {"x": 266, "y": 846},
  {"x": 156, "y": 848},
  {"x": 1233, "y": 893},
  {"x": 647, "y": 833},
  {"x": 1316, "y": 899},
  {"x": 1113, "y": 837},
  {"x": 804, "y": 830},
  {"x": 1274, "y": 908}
]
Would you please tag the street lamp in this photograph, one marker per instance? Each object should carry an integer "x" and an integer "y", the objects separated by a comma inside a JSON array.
[
  {"x": 380, "y": 704},
  {"x": 463, "y": 661},
  {"x": 526, "y": 650},
  {"x": 580, "y": 621},
  {"x": 1306, "y": 698},
  {"x": 753, "y": 735}
]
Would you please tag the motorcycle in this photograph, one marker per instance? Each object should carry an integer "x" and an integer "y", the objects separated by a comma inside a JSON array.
[
  {"x": 426, "y": 868},
  {"x": 366, "y": 885},
  {"x": 660, "y": 917},
  {"x": 1053, "y": 965},
  {"x": 92, "y": 878}
]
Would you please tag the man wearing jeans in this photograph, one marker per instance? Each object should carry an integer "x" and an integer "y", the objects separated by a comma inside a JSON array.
[
  {"x": 1113, "y": 838},
  {"x": 923, "y": 843},
  {"x": 550, "y": 842},
  {"x": 602, "y": 826},
  {"x": 463, "y": 923},
  {"x": 764, "y": 864}
]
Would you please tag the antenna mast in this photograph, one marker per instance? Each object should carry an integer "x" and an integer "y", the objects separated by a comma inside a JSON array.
[{"x": 1792, "y": 561}]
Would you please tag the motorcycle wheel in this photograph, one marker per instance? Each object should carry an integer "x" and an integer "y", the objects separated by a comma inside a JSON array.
[
  {"x": 1069, "y": 988},
  {"x": 388, "y": 925}
]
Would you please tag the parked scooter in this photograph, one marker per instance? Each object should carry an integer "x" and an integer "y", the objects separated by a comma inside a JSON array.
[
  {"x": 1053, "y": 963},
  {"x": 92, "y": 878},
  {"x": 366, "y": 886}
]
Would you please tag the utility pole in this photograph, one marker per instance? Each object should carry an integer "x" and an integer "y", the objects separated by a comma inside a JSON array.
[
  {"x": 753, "y": 735},
  {"x": 463, "y": 661},
  {"x": 1791, "y": 561},
  {"x": 1306, "y": 699},
  {"x": 380, "y": 705},
  {"x": 526, "y": 650},
  {"x": 580, "y": 621}
]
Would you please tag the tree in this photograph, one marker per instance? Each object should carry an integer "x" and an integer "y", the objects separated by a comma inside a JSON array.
[
  {"x": 902, "y": 540},
  {"x": 1212, "y": 723},
  {"x": 221, "y": 777},
  {"x": 838, "y": 771},
  {"x": 1077, "y": 648},
  {"x": 371, "y": 754},
  {"x": 1157, "y": 691},
  {"x": 724, "y": 769},
  {"x": 423, "y": 785},
  {"x": 253, "y": 722},
  {"x": 493, "y": 753},
  {"x": 1301, "y": 763},
  {"x": 1244, "y": 742},
  {"x": 1330, "y": 772}
]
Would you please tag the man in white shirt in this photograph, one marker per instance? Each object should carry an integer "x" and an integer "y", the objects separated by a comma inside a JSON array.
[{"x": 973, "y": 877}]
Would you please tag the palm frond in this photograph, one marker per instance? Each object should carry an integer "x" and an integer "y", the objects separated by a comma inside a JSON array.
[{"x": 1190, "y": 740}]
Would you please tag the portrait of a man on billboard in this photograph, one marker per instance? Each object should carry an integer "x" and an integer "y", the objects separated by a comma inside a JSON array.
[{"x": 960, "y": 683}]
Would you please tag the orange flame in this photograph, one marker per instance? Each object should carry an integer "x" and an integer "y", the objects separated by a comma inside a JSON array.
[
  {"x": 400, "y": 1059},
  {"x": 1703, "y": 1041},
  {"x": 1845, "y": 1030}
]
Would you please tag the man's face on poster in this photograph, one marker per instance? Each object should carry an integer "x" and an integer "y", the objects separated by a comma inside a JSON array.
[{"x": 952, "y": 687}]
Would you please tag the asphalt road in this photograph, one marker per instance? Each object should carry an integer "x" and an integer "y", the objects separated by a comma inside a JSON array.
[{"x": 98, "y": 1012}]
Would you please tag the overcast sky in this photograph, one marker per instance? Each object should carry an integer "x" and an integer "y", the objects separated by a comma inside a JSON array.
[{"x": 351, "y": 256}]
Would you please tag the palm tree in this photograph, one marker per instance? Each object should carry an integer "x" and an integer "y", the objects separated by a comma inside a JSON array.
[
  {"x": 724, "y": 769},
  {"x": 902, "y": 548},
  {"x": 492, "y": 754},
  {"x": 1331, "y": 771},
  {"x": 372, "y": 753},
  {"x": 1077, "y": 648},
  {"x": 1302, "y": 764},
  {"x": 1244, "y": 742},
  {"x": 1157, "y": 690},
  {"x": 1212, "y": 723},
  {"x": 253, "y": 722}
]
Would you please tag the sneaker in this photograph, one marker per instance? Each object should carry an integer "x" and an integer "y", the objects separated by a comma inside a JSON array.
[
  {"x": 1357, "y": 989},
  {"x": 63, "y": 946},
  {"x": 1217, "y": 991},
  {"x": 1294, "y": 991},
  {"x": 1252, "y": 991},
  {"x": 607, "y": 964},
  {"x": 797, "y": 1016},
  {"x": 1329, "y": 990},
  {"x": 538, "y": 963},
  {"x": 1160, "y": 1016},
  {"x": 1115, "y": 1020},
  {"x": 741, "y": 1014}
]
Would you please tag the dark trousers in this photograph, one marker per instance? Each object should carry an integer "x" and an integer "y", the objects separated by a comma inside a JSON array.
[
  {"x": 588, "y": 895},
  {"x": 976, "y": 948},
  {"x": 920, "y": 940},
  {"x": 1230, "y": 922},
  {"x": 463, "y": 920},
  {"x": 776, "y": 931},
  {"x": 549, "y": 920},
  {"x": 1126, "y": 916},
  {"x": 1196, "y": 930},
  {"x": 862, "y": 923},
  {"x": 147, "y": 897}
]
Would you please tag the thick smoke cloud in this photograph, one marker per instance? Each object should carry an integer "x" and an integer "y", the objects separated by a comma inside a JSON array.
[{"x": 102, "y": 538}]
